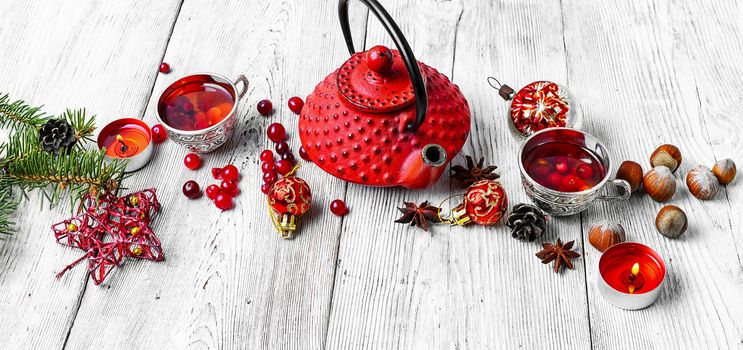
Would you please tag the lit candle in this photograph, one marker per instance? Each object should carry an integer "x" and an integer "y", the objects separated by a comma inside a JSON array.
[
  {"x": 129, "y": 139},
  {"x": 631, "y": 275}
]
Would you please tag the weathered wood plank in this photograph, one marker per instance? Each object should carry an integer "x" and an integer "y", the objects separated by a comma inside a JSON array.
[
  {"x": 647, "y": 76},
  {"x": 229, "y": 281},
  {"x": 473, "y": 287},
  {"x": 86, "y": 54}
]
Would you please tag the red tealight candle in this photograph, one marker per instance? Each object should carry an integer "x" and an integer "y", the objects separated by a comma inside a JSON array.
[
  {"x": 631, "y": 275},
  {"x": 129, "y": 139}
]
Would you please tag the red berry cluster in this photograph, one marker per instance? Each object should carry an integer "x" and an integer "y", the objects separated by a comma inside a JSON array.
[
  {"x": 269, "y": 166},
  {"x": 223, "y": 194}
]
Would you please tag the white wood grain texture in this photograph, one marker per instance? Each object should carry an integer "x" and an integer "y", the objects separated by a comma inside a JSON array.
[
  {"x": 229, "y": 280},
  {"x": 649, "y": 74},
  {"x": 473, "y": 287},
  {"x": 65, "y": 55}
]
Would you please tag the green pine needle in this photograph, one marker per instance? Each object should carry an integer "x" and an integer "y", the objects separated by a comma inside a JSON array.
[
  {"x": 17, "y": 114},
  {"x": 8, "y": 206}
]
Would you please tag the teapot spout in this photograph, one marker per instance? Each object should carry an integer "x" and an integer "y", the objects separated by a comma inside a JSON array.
[{"x": 424, "y": 167}]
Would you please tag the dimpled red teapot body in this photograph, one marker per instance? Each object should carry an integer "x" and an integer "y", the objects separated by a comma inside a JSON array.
[{"x": 382, "y": 118}]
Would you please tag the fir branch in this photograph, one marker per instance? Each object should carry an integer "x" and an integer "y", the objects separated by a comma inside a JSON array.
[
  {"x": 78, "y": 172},
  {"x": 8, "y": 206},
  {"x": 83, "y": 125},
  {"x": 17, "y": 114}
]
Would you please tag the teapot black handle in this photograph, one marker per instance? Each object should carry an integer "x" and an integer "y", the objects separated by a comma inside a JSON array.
[{"x": 419, "y": 86}]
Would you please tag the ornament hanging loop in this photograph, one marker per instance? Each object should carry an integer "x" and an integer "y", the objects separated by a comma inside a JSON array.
[
  {"x": 453, "y": 218},
  {"x": 505, "y": 91}
]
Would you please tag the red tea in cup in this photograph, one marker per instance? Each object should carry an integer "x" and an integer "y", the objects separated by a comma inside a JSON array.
[
  {"x": 564, "y": 167},
  {"x": 197, "y": 105}
]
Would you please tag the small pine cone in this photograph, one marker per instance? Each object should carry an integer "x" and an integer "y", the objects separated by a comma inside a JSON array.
[
  {"x": 56, "y": 135},
  {"x": 526, "y": 222}
]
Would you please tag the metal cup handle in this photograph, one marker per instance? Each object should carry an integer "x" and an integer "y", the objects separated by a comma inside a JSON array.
[
  {"x": 242, "y": 79},
  {"x": 620, "y": 191}
]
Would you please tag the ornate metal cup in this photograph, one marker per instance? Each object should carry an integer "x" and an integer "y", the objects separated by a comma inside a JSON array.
[
  {"x": 208, "y": 139},
  {"x": 568, "y": 203}
]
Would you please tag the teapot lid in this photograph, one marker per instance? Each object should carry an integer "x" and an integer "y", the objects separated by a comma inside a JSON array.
[{"x": 376, "y": 90}]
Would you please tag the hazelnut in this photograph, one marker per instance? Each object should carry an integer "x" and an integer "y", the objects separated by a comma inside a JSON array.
[
  {"x": 605, "y": 234},
  {"x": 724, "y": 171},
  {"x": 659, "y": 183},
  {"x": 671, "y": 221},
  {"x": 702, "y": 182},
  {"x": 632, "y": 173},
  {"x": 666, "y": 155}
]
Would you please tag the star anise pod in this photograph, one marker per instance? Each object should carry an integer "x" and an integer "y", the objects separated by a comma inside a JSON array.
[
  {"x": 558, "y": 252},
  {"x": 473, "y": 172},
  {"x": 418, "y": 215}
]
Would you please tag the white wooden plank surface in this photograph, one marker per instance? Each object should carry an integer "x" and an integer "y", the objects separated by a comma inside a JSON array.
[
  {"x": 87, "y": 55},
  {"x": 363, "y": 281}
]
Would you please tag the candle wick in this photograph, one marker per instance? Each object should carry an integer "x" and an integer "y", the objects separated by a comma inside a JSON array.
[{"x": 120, "y": 140}]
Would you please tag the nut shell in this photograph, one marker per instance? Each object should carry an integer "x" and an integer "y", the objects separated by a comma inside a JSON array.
[
  {"x": 605, "y": 234},
  {"x": 702, "y": 182},
  {"x": 666, "y": 155},
  {"x": 671, "y": 221},
  {"x": 724, "y": 171},
  {"x": 632, "y": 173},
  {"x": 659, "y": 183}
]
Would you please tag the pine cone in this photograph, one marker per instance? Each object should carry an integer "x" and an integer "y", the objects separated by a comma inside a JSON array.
[
  {"x": 57, "y": 135},
  {"x": 526, "y": 222}
]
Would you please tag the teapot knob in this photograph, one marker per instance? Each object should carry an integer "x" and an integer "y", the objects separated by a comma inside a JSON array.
[{"x": 379, "y": 59}]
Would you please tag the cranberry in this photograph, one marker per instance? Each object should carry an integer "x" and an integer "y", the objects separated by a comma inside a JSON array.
[
  {"x": 303, "y": 154},
  {"x": 265, "y": 188},
  {"x": 270, "y": 177},
  {"x": 554, "y": 180},
  {"x": 276, "y": 132},
  {"x": 288, "y": 156},
  {"x": 223, "y": 201},
  {"x": 265, "y": 107},
  {"x": 584, "y": 171},
  {"x": 282, "y": 147},
  {"x": 379, "y": 59},
  {"x": 296, "y": 104},
  {"x": 229, "y": 172},
  {"x": 540, "y": 170},
  {"x": 188, "y": 106},
  {"x": 283, "y": 166},
  {"x": 192, "y": 161},
  {"x": 212, "y": 191},
  {"x": 570, "y": 183},
  {"x": 191, "y": 189},
  {"x": 338, "y": 207},
  {"x": 228, "y": 186},
  {"x": 164, "y": 68},
  {"x": 267, "y": 166},
  {"x": 267, "y": 155},
  {"x": 158, "y": 133},
  {"x": 562, "y": 166},
  {"x": 217, "y": 173}
]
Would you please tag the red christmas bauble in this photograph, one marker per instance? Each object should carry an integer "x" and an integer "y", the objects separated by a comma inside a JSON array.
[
  {"x": 485, "y": 202},
  {"x": 290, "y": 195},
  {"x": 541, "y": 105}
]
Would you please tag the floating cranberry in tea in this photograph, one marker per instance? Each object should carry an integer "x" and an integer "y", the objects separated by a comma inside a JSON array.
[
  {"x": 197, "y": 105},
  {"x": 564, "y": 167}
]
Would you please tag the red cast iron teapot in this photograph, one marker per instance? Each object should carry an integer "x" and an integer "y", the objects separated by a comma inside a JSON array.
[{"x": 383, "y": 118}]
